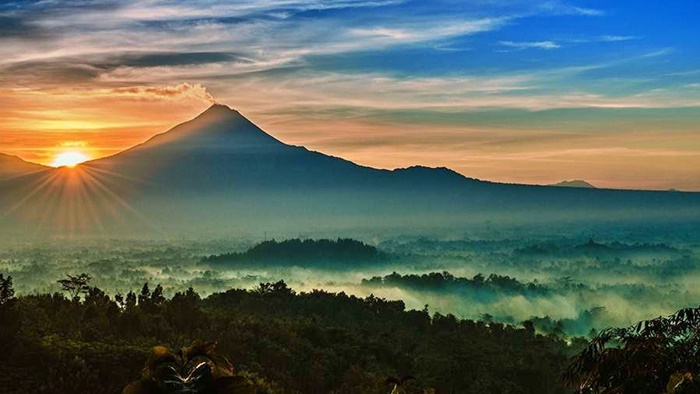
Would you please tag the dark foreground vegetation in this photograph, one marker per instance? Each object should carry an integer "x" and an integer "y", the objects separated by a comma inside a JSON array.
[
  {"x": 278, "y": 340},
  {"x": 654, "y": 356}
]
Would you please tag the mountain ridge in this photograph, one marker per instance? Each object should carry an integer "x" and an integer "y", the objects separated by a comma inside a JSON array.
[
  {"x": 218, "y": 113},
  {"x": 219, "y": 171}
]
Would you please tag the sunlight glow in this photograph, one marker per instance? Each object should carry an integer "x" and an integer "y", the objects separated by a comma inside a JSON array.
[
  {"x": 69, "y": 159},
  {"x": 76, "y": 201}
]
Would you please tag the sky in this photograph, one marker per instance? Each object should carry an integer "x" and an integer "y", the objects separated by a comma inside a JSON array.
[{"x": 521, "y": 91}]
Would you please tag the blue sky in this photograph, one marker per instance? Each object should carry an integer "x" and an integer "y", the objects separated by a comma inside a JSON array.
[{"x": 506, "y": 90}]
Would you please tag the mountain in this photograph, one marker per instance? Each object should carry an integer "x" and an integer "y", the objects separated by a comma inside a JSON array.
[
  {"x": 575, "y": 183},
  {"x": 220, "y": 150},
  {"x": 219, "y": 174},
  {"x": 13, "y": 166}
]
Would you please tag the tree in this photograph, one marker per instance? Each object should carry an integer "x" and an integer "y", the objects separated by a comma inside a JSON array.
[
  {"x": 183, "y": 311},
  {"x": 653, "y": 356},
  {"x": 157, "y": 297},
  {"x": 76, "y": 285},
  {"x": 145, "y": 294},
  {"x": 279, "y": 341},
  {"x": 277, "y": 288},
  {"x": 130, "y": 301},
  {"x": 7, "y": 293},
  {"x": 529, "y": 327},
  {"x": 9, "y": 316},
  {"x": 119, "y": 299}
]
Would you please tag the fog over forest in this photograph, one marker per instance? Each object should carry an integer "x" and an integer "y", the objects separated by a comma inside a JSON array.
[{"x": 571, "y": 282}]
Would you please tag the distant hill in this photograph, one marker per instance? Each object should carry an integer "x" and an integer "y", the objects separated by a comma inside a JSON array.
[
  {"x": 303, "y": 253},
  {"x": 575, "y": 183}
]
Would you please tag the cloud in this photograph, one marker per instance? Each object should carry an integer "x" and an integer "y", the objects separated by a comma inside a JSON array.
[
  {"x": 184, "y": 90},
  {"x": 562, "y": 8},
  {"x": 173, "y": 58},
  {"x": 599, "y": 39},
  {"x": 423, "y": 31},
  {"x": 73, "y": 144},
  {"x": 658, "y": 53},
  {"x": 609, "y": 38},
  {"x": 530, "y": 44},
  {"x": 17, "y": 27},
  {"x": 232, "y": 35},
  {"x": 256, "y": 30},
  {"x": 584, "y": 11},
  {"x": 137, "y": 10},
  {"x": 550, "y": 44}
]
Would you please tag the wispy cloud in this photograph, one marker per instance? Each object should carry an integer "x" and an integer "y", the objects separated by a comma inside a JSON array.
[
  {"x": 584, "y": 11},
  {"x": 259, "y": 29},
  {"x": 566, "y": 8},
  {"x": 610, "y": 38},
  {"x": 530, "y": 44},
  {"x": 427, "y": 31},
  {"x": 658, "y": 53}
]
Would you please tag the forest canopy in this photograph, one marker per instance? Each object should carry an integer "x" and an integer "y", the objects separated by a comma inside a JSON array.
[{"x": 279, "y": 340}]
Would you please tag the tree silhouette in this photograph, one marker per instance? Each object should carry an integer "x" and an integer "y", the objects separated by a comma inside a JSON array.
[
  {"x": 76, "y": 285},
  {"x": 654, "y": 356},
  {"x": 6, "y": 291},
  {"x": 9, "y": 314},
  {"x": 278, "y": 288}
]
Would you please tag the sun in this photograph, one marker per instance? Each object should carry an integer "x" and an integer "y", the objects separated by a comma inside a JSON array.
[{"x": 69, "y": 159}]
